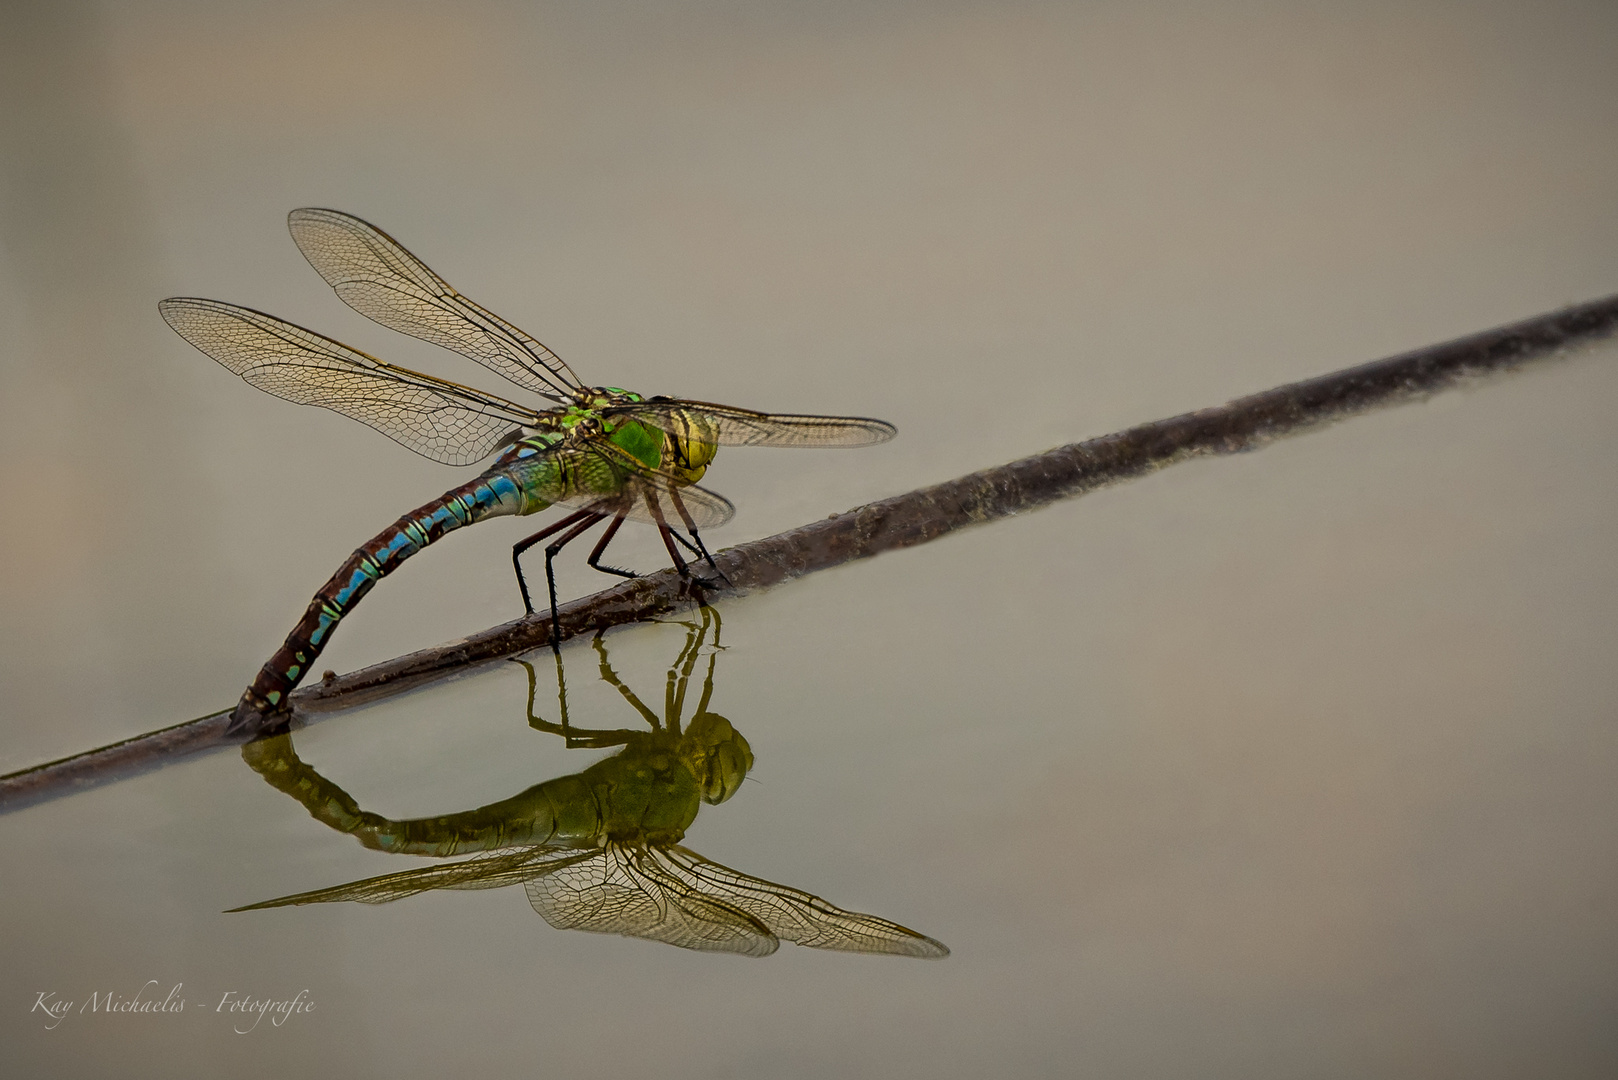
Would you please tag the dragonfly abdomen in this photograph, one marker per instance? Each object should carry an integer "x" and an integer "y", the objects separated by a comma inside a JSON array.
[
  {"x": 493, "y": 494},
  {"x": 524, "y": 820}
]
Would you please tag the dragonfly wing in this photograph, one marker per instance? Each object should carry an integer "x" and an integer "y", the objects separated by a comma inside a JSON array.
[
  {"x": 374, "y": 274},
  {"x": 622, "y": 889},
  {"x": 725, "y": 425},
  {"x": 659, "y": 499},
  {"x": 437, "y": 419},
  {"x": 796, "y": 916},
  {"x": 483, "y": 872},
  {"x": 605, "y": 479}
]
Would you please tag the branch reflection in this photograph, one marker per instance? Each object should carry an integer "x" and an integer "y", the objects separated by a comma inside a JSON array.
[{"x": 600, "y": 850}]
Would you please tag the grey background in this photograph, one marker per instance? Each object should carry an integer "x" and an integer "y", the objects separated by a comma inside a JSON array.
[{"x": 1297, "y": 764}]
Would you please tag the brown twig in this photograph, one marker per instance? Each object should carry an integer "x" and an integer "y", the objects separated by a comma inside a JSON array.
[{"x": 905, "y": 520}]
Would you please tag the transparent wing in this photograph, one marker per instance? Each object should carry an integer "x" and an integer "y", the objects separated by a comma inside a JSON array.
[
  {"x": 794, "y": 915},
  {"x": 725, "y": 425},
  {"x": 437, "y": 419},
  {"x": 374, "y": 274},
  {"x": 492, "y": 871},
  {"x": 656, "y": 498},
  {"x": 624, "y": 890},
  {"x": 606, "y": 479},
  {"x": 669, "y": 894}
]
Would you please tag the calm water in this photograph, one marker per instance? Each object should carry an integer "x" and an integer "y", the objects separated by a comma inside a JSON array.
[{"x": 1301, "y": 763}]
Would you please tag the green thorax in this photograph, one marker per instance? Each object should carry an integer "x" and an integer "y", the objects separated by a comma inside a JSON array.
[
  {"x": 648, "y": 793},
  {"x": 548, "y": 473},
  {"x": 645, "y": 794}
]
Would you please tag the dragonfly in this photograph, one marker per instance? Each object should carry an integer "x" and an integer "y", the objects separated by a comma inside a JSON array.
[
  {"x": 600, "y": 850},
  {"x": 607, "y": 454}
]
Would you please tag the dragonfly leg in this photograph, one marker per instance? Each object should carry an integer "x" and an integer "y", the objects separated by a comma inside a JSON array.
[
  {"x": 521, "y": 546},
  {"x": 665, "y": 532},
  {"x": 606, "y": 538},
  {"x": 553, "y": 549},
  {"x": 703, "y": 548},
  {"x": 674, "y": 553},
  {"x": 699, "y": 550},
  {"x": 610, "y": 677},
  {"x": 691, "y": 527},
  {"x": 575, "y": 737},
  {"x": 535, "y": 721}
]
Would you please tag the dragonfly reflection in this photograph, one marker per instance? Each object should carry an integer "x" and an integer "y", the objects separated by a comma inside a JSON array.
[{"x": 600, "y": 849}]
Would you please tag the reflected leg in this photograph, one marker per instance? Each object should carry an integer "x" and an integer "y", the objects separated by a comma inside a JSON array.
[
  {"x": 592, "y": 738},
  {"x": 710, "y": 617},
  {"x": 679, "y": 675},
  {"x": 610, "y": 677},
  {"x": 536, "y": 721}
]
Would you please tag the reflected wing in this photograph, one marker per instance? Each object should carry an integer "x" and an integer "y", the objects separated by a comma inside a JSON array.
[
  {"x": 725, "y": 425},
  {"x": 604, "y": 478},
  {"x": 624, "y": 890},
  {"x": 437, "y": 419},
  {"x": 483, "y": 872},
  {"x": 671, "y": 894},
  {"x": 374, "y": 274},
  {"x": 797, "y": 916}
]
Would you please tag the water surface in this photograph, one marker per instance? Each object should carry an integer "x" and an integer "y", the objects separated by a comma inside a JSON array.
[{"x": 1298, "y": 763}]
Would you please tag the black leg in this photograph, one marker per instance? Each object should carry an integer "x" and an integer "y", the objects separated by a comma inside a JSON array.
[
  {"x": 553, "y": 549},
  {"x": 698, "y": 551},
  {"x": 703, "y": 548},
  {"x": 521, "y": 546},
  {"x": 606, "y": 538},
  {"x": 691, "y": 526},
  {"x": 688, "y": 545}
]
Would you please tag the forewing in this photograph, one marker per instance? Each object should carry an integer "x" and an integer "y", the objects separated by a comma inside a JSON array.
[
  {"x": 796, "y": 916},
  {"x": 725, "y": 425},
  {"x": 484, "y": 872},
  {"x": 440, "y": 420},
  {"x": 374, "y": 274},
  {"x": 622, "y": 890}
]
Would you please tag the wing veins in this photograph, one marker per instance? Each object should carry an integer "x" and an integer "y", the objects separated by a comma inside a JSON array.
[
  {"x": 732, "y": 426},
  {"x": 351, "y": 254},
  {"x": 438, "y": 419}
]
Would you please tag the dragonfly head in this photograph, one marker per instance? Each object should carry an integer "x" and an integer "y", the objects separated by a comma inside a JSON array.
[
  {"x": 718, "y": 755},
  {"x": 693, "y": 441}
]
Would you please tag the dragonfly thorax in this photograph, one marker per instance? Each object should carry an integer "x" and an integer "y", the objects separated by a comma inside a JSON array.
[{"x": 582, "y": 429}]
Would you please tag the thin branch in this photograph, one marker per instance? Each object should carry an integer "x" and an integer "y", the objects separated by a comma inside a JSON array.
[{"x": 902, "y": 521}]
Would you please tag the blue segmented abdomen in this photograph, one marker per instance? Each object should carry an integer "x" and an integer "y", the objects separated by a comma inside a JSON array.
[{"x": 494, "y": 494}]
